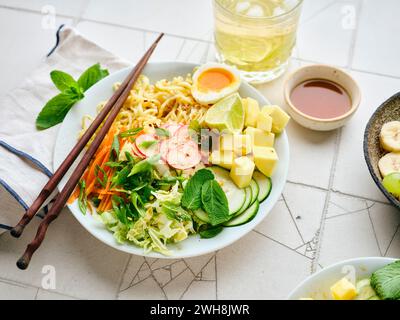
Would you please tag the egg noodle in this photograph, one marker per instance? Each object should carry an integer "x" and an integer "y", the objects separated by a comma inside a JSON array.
[{"x": 151, "y": 105}]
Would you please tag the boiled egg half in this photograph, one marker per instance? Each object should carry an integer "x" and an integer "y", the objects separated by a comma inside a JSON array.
[{"x": 213, "y": 82}]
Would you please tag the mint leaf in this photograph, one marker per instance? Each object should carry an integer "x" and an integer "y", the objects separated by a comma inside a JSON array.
[
  {"x": 191, "y": 198},
  {"x": 91, "y": 76},
  {"x": 214, "y": 202},
  {"x": 211, "y": 232},
  {"x": 55, "y": 110},
  {"x": 63, "y": 81},
  {"x": 386, "y": 281}
]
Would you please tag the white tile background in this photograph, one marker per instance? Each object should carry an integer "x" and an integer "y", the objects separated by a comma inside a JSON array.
[{"x": 330, "y": 209}]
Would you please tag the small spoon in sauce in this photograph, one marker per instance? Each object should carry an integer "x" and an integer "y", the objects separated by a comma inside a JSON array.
[{"x": 322, "y": 99}]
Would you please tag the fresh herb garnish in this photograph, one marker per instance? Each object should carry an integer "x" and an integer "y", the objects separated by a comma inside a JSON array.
[
  {"x": 191, "y": 198},
  {"x": 162, "y": 132},
  {"x": 91, "y": 76},
  {"x": 130, "y": 133},
  {"x": 72, "y": 91},
  {"x": 214, "y": 202},
  {"x": 115, "y": 148},
  {"x": 64, "y": 81},
  {"x": 119, "y": 209},
  {"x": 96, "y": 201},
  {"x": 386, "y": 281},
  {"x": 144, "y": 165},
  {"x": 82, "y": 200},
  {"x": 113, "y": 164},
  {"x": 147, "y": 144},
  {"x": 211, "y": 232},
  {"x": 56, "y": 109},
  {"x": 103, "y": 180}
]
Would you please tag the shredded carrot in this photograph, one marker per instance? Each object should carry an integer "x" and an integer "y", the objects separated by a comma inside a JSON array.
[{"x": 100, "y": 158}]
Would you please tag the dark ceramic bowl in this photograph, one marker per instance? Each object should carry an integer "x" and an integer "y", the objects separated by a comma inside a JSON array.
[{"x": 388, "y": 111}]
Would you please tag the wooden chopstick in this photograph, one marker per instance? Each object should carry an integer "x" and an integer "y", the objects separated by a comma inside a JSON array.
[
  {"x": 71, "y": 157},
  {"x": 69, "y": 187}
]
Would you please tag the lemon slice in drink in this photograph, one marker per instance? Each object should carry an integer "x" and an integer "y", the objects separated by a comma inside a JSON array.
[{"x": 226, "y": 114}]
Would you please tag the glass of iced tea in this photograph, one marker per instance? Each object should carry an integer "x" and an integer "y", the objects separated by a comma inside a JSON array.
[{"x": 256, "y": 36}]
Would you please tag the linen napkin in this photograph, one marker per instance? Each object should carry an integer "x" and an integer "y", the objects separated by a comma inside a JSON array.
[{"x": 26, "y": 154}]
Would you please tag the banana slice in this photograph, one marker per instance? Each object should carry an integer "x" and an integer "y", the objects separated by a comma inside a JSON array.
[
  {"x": 390, "y": 136},
  {"x": 389, "y": 163}
]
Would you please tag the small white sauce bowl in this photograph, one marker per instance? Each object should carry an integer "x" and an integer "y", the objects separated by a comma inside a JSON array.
[{"x": 323, "y": 72}]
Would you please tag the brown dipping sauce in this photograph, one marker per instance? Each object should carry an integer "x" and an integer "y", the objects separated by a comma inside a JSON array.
[{"x": 321, "y": 99}]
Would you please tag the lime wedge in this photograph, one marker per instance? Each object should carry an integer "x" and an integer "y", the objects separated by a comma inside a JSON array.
[{"x": 226, "y": 114}]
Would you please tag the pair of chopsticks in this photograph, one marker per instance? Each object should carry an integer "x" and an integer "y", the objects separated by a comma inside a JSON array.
[{"x": 109, "y": 113}]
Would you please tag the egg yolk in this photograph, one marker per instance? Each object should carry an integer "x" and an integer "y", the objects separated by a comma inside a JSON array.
[{"x": 215, "y": 79}]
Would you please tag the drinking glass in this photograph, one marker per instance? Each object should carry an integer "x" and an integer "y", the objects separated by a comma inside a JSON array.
[{"x": 256, "y": 36}]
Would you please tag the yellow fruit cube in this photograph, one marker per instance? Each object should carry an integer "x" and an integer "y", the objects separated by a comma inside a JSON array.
[
  {"x": 343, "y": 290},
  {"x": 265, "y": 159},
  {"x": 279, "y": 118},
  {"x": 240, "y": 144},
  {"x": 242, "y": 171},
  {"x": 222, "y": 158},
  {"x": 264, "y": 121},
  {"x": 251, "y": 110},
  {"x": 260, "y": 138}
]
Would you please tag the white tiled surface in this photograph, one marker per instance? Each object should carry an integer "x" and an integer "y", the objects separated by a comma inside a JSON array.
[{"x": 330, "y": 209}]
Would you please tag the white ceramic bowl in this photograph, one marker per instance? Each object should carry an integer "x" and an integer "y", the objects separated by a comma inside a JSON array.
[
  {"x": 318, "y": 285},
  {"x": 320, "y": 71},
  {"x": 194, "y": 245}
]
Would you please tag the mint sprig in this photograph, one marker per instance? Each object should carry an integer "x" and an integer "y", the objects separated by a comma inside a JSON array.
[{"x": 72, "y": 91}]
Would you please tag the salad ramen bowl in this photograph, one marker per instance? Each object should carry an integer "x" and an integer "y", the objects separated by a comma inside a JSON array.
[{"x": 193, "y": 245}]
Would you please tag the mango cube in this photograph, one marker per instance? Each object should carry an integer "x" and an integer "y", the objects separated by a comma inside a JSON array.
[
  {"x": 265, "y": 159},
  {"x": 251, "y": 110},
  {"x": 279, "y": 118},
  {"x": 260, "y": 138},
  {"x": 343, "y": 290},
  {"x": 240, "y": 144},
  {"x": 264, "y": 121},
  {"x": 222, "y": 158},
  {"x": 242, "y": 171}
]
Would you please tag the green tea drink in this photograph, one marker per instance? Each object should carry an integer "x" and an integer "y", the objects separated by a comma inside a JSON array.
[{"x": 256, "y": 36}]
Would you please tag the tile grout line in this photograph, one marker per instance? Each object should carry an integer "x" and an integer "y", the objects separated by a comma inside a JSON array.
[
  {"x": 391, "y": 240},
  {"x": 122, "y": 276},
  {"x": 195, "y": 275},
  {"x": 27, "y": 285},
  {"x": 293, "y": 219},
  {"x": 373, "y": 228},
  {"x": 355, "y": 34},
  {"x": 326, "y": 204},
  {"x": 78, "y": 18},
  {"x": 282, "y": 244},
  {"x": 344, "y": 214}
]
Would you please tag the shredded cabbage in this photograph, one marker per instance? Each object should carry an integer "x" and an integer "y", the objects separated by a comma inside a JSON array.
[{"x": 164, "y": 221}]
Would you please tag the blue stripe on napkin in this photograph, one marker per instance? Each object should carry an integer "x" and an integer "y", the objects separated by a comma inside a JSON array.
[{"x": 22, "y": 154}]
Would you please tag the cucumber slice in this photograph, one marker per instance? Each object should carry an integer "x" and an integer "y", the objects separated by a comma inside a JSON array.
[
  {"x": 236, "y": 196},
  {"x": 247, "y": 203},
  {"x": 364, "y": 290},
  {"x": 254, "y": 190},
  {"x": 202, "y": 215},
  {"x": 264, "y": 184},
  {"x": 245, "y": 217}
]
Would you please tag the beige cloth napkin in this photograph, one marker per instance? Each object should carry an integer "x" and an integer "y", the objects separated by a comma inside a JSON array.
[{"x": 26, "y": 154}]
